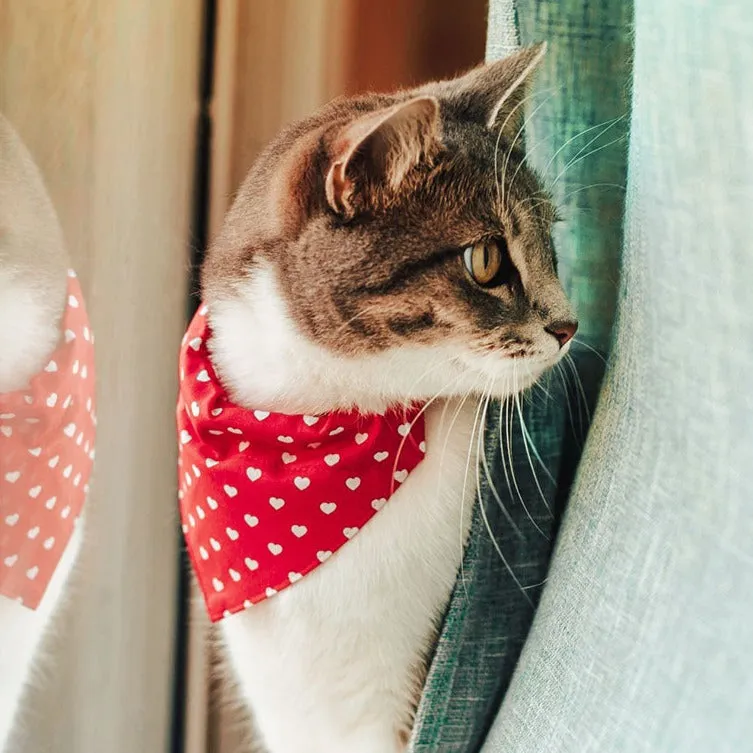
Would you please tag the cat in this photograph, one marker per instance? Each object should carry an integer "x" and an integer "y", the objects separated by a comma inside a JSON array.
[
  {"x": 390, "y": 250},
  {"x": 35, "y": 293}
]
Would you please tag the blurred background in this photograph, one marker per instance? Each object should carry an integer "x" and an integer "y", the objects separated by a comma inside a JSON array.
[{"x": 143, "y": 118}]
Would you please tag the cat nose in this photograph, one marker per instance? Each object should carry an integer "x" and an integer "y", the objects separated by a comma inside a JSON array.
[{"x": 563, "y": 331}]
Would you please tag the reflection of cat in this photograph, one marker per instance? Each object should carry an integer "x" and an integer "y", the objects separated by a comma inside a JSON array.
[
  {"x": 389, "y": 250},
  {"x": 46, "y": 417}
]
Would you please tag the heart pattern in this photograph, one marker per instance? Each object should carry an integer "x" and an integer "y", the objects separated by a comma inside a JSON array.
[
  {"x": 282, "y": 501},
  {"x": 46, "y": 453}
]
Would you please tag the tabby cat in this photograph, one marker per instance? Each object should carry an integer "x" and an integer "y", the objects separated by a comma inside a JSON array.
[{"x": 386, "y": 265}]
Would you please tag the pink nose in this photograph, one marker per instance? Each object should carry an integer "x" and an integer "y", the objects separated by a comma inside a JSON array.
[{"x": 563, "y": 331}]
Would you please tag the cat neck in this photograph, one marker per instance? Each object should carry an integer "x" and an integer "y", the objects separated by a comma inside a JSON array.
[{"x": 265, "y": 362}]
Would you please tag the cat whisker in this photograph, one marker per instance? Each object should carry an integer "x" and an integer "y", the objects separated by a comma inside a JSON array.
[
  {"x": 510, "y": 424},
  {"x": 529, "y": 151},
  {"x": 575, "y": 160},
  {"x": 559, "y": 370},
  {"x": 597, "y": 353},
  {"x": 566, "y": 196},
  {"x": 485, "y": 518},
  {"x": 465, "y": 479},
  {"x": 532, "y": 446},
  {"x": 493, "y": 488},
  {"x": 517, "y": 136},
  {"x": 605, "y": 126},
  {"x": 500, "y": 188},
  {"x": 579, "y": 384},
  {"x": 524, "y": 432},
  {"x": 420, "y": 413}
]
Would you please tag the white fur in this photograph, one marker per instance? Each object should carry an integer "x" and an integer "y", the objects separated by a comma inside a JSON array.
[
  {"x": 333, "y": 664},
  {"x": 21, "y": 633}
]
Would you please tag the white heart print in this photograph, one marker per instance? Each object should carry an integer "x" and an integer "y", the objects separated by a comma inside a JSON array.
[
  {"x": 277, "y": 502},
  {"x": 254, "y": 474},
  {"x": 353, "y": 483},
  {"x": 327, "y": 507},
  {"x": 299, "y": 531},
  {"x": 274, "y": 548},
  {"x": 332, "y": 459},
  {"x": 302, "y": 482}
]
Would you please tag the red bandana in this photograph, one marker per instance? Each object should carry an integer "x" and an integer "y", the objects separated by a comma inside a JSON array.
[
  {"x": 267, "y": 497},
  {"x": 46, "y": 454}
]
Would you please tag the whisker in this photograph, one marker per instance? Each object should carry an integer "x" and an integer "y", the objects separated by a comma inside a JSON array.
[
  {"x": 536, "y": 454},
  {"x": 528, "y": 455},
  {"x": 509, "y": 415},
  {"x": 566, "y": 196},
  {"x": 495, "y": 493},
  {"x": 578, "y": 341},
  {"x": 579, "y": 385},
  {"x": 558, "y": 369},
  {"x": 412, "y": 424},
  {"x": 517, "y": 136},
  {"x": 495, "y": 544},
  {"x": 439, "y": 479},
  {"x": 606, "y": 125},
  {"x": 500, "y": 195},
  {"x": 575, "y": 160}
]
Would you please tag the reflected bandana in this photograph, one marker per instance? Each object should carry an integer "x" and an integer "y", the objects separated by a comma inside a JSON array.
[
  {"x": 267, "y": 497},
  {"x": 46, "y": 455}
]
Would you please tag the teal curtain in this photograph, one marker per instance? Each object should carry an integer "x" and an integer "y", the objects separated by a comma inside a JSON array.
[{"x": 604, "y": 600}]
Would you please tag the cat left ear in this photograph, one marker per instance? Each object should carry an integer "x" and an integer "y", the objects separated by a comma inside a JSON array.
[
  {"x": 380, "y": 149},
  {"x": 494, "y": 93}
]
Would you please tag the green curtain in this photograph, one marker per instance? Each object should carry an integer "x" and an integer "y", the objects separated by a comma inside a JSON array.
[{"x": 576, "y": 124}]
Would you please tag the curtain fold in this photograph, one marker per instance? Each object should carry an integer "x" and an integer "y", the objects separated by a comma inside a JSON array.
[
  {"x": 531, "y": 451},
  {"x": 642, "y": 640}
]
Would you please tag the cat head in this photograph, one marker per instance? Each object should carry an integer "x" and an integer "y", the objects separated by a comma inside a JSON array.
[{"x": 396, "y": 246}]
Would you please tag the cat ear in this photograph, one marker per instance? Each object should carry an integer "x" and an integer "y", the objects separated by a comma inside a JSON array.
[
  {"x": 380, "y": 149},
  {"x": 494, "y": 93}
]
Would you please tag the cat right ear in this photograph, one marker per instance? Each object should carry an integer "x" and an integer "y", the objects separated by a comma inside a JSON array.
[{"x": 377, "y": 151}]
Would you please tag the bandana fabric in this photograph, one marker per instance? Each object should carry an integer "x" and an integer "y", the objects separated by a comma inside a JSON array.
[
  {"x": 267, "y": 497},
  {"x": 46, "y": 455}
]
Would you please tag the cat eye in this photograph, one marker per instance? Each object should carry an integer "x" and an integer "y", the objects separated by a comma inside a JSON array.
[{"x": 488, "y": 263}]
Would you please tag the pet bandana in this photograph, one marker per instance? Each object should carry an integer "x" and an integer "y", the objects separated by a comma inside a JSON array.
[
  {"x": 46, "y": 455},
  {"x": 267, "y": 497}
]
